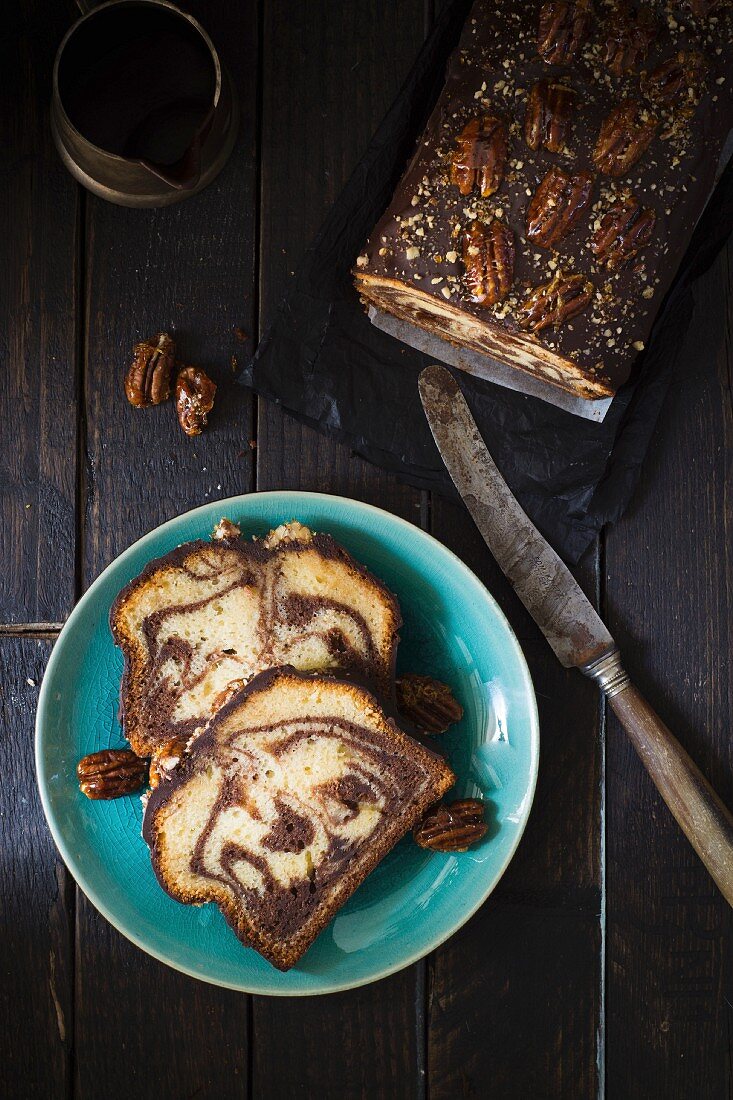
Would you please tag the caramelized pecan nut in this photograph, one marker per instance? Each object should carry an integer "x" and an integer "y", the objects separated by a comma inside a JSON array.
[
  {"x": 556, "y": 302},
  {"x": 111, "y": 773},
  {"x": 429, "y": 704},
  {"x": 148, "y": 379},
  {"x": 630, "y": 34},
  {"x": 194, "y": 399},
  {"x": 488, "y": 261},
  {"x": 452, "y": 828},
  {"x": 562, "y": 30},
  {"x": 624, "y": 136},
  {"x": 678, "y": 81},
  {"x": 547, "y": 118},
  {"x": 623, "y": 232},
  {"x": 166, "y": 760},
  {"x": 556, "y": 205},
  {"x": 479, "y": 158}
]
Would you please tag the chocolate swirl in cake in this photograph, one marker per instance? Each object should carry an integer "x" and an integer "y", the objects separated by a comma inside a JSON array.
[
  {"x": 212, "y": 615},
  {"x": 296, "y": 785}
]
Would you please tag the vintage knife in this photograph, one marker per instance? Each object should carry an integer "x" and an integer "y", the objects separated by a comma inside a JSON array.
[{"x": 571, "y": 625}]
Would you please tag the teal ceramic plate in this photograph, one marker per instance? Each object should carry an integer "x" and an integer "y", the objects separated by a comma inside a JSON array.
[{"x": 414, "y": 900}]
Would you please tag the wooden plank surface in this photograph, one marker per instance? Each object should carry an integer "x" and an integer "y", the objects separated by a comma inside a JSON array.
[
  {"x": 188, "y": 269},
  {"x": 38, "y": 291},
  {"x": 511, "y": 1006},
  {"x": 36, "y": 945},
  {"x": 669, "y": 600},
  {"x": 515, "y": 996},
  {"x": 330, "y": 73}
]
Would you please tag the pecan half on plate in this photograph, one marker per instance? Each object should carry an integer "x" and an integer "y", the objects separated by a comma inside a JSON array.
[
  {"x": 428, "y": 703},
  {"x": 194, "y": 399},
  {"x": 556, "y": 302},
  {"x": 148, "y": 379},
  {"x": 452, "y": 828},
  {"x": 625, "y": 229},
  {"x": 479, "y": 158},
  {"x": 557, "y": 204},
  {"x": 629, "y": 36},
  {"x": 624, "y": 136},
  {"x": 547, "y": 118},
  {"x": 679, "y": 81},
  {"x": 488, "y": 261},
  {"x": 111, "y": 773},
  {"x": 563, "y": 28}
]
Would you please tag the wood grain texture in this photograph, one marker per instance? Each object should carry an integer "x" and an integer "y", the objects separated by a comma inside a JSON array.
[
  {"x": 188, "y": 269},
  {"x": 38, "y": 371},
  {"x": 669, "y": 601},
  {"x": 36, "y": 947},
  {"x": 516, "y": 995},
  {"x": 330, "y": 72}
]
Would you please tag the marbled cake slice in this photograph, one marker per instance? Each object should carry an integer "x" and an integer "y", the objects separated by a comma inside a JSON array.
[{"x": 295, "y": 791}]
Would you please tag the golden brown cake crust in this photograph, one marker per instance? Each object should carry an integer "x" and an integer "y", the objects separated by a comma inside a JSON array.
[
  {"x": 226, "y": 568},
  {"x": 420, "y": 778}
]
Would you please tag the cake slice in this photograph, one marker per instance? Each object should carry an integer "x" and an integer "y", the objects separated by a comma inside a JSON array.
[
  {"x": 292, "y": 795},
  {"x": 207, "y": 617}
]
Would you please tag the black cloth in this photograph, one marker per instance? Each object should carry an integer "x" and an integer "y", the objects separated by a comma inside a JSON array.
[{"x": 327, "y": 365}]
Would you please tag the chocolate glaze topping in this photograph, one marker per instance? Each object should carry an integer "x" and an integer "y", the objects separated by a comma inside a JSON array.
[{"x": 418, "y": 242}]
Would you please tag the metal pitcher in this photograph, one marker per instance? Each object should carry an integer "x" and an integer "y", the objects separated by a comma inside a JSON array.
[{"x": 143, "y": 112}]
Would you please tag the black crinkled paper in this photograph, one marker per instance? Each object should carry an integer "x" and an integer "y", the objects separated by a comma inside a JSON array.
[{"x": 329, "y": 367}]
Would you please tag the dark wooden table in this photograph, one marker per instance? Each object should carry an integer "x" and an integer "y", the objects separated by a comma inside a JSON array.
[{"x": 604, "y": 959}]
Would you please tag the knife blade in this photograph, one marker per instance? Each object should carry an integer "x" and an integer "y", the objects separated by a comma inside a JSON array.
[
  {"x": 571, "y": 624},
  {"x": 542, "y": 581}
]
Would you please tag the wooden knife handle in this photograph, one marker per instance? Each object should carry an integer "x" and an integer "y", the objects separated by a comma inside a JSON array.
[{"x": 703, "y": 818}]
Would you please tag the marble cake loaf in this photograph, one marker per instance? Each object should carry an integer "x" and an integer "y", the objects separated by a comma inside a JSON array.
[
  {"x": 286, "y": 802},
  {"x": 550, "y": 200},
  {"x": 202, "y": 620}
]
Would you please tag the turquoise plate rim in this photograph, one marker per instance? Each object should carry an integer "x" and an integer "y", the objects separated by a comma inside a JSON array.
[{"x": 281, "y": 497}]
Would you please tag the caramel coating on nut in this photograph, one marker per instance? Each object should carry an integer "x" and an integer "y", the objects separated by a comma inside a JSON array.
[
  {"x": 111, "y": 773},
  {"x": 452, "y": 828},
  {"x": 488, "y": 261},
  {"x": 148, "y": 379},
  {"x": 194, "y": 399},
  {"x": 479, "y": 158}
]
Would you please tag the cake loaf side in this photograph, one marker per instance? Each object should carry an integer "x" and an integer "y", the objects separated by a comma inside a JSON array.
[{"x": 553, "y": 193}]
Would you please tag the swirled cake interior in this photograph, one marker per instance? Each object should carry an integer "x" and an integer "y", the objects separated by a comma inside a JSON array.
[
  {"x": 211, "y": 615},
  {"x": 296, "y": 790}
]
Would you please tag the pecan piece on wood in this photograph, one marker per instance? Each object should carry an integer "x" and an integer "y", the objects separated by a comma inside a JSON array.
[
  {"x": 488, "y": 261},
  {"x": 148, "y": 379},
  {"x": 625, "y": 229},
  {"x": 194, "y": 399},
  {"x": 557, "y": 204},
  {"x": 556, "y": 302},
  {"x": 427, "y": 702},
  {"x": 547, "y": 118},
  {"x": 111, "y": 773},
  {"x": 625, "y": 134},
  {"x": 562, "y": 30},
  {"x": 452, "y": 828},
  {"x": 678, "y": 81},
  {"x": 630, "y": 34},
  {"x": 480, "y": 155}
]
